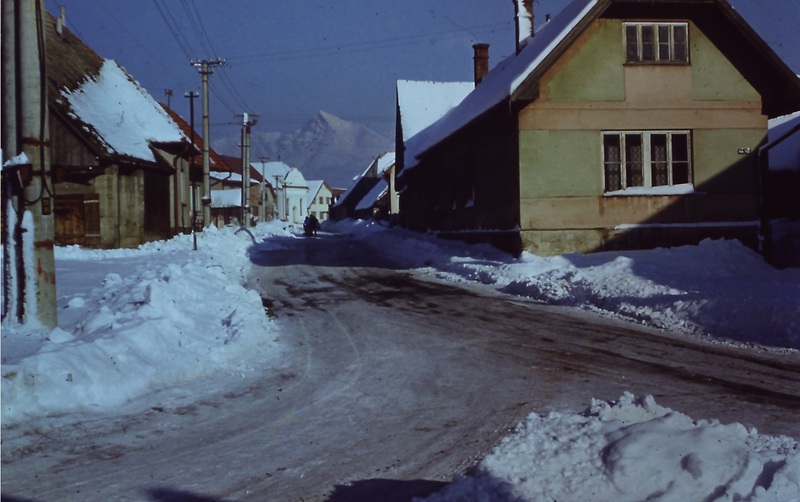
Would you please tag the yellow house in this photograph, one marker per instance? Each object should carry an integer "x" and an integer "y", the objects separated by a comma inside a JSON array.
[{"x": 619, "y": 124}]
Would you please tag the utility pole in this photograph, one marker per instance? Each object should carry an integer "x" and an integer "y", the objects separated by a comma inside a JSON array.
[
  {"x": 262, "y": 197},
  {"x": 29, "y": 278},
  {"x": 191, "y": 95},
  {"x": 246, "y": 125},
  {"x": 205, "y": 71}
]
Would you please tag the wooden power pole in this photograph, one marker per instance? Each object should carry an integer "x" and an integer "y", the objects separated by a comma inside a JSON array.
[
  {"x": 205, "y": 70},
  {"x": 29, "y": 275}
]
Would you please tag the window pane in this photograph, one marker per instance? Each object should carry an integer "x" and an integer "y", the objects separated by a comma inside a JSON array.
[
  {"x": 631, "y": 43},
  {"x": 633, "y": 160},
  {"x": 658, "y": 160},
  {"x": 679, "y": 45},
  {"x": 611, "y": 164},
  {"x": 648, "y": 43},
  {"x": 663, "y": 43},
  {"x": 680, "y": 147},
  {"x": 681, "y": 172}
]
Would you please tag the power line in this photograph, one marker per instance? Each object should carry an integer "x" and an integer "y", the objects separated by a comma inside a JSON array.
[
  {"x": 173, "y": 27},
  {"x": 432, "y": 37},
  {"x": 201, "y": 33}
]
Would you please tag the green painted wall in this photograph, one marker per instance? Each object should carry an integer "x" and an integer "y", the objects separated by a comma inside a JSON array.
[
  {"x": 718, "y": 167},
  {"x": 595, "y": 71},
  {"x": 556, "y": 163},
  {"x": 713, "y": 76}
]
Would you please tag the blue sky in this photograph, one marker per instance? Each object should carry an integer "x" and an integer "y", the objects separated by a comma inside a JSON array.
[{"x": 286, "y": 60}]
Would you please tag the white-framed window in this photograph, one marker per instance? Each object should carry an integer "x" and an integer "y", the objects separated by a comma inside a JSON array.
[
  {"x": 646, "y": 159},
  {"x": 653, "y": 43}
]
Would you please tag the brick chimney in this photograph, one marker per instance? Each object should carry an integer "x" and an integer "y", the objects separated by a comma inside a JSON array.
[
  {"x": 523, "y": 22},
  {"x": 481, "y": 60}
]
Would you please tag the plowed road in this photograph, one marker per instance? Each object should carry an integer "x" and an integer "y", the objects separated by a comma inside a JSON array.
[{"x": 390, "y": 384}]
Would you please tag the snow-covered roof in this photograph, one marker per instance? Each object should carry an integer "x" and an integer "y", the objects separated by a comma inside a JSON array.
[
  {"x": 121, "y": 114},
  {"x": 385, "y": 162},
  {"x": 786, "y": 155},
  {"x": 313, "y": 190},
  {"x": 295, "y": 179},
  {"x": 272, "y": 170},
  {"x": 503, "y": 80},
  {"x": 226, "y": 198},
  {"x": 372, "y": 196},
  {"x": 423, "y": 102}
]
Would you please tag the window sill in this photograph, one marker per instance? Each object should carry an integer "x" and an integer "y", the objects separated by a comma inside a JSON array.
[
  {"x": 683, "y": 189},
  {"x": 657, "y": 63}
]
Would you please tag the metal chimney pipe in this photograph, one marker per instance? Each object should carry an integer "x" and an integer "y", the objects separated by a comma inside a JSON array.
[{"x": 523, "y": 22}]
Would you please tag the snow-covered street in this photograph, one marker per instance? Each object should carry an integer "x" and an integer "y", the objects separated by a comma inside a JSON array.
[{"x": 360, "y": 380}]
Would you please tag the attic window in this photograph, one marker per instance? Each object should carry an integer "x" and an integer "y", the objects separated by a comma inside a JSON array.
[{"x": 656, "y": 43}]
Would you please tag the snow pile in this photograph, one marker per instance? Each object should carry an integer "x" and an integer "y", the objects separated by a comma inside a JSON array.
[
  {"x": 719, "y": 289},
  {"x": 632, "y": 450},
  {"x": 179, "y": 317}
]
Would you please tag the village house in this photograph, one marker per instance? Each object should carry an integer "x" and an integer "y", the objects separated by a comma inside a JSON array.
[
  {"x": 619, "y": 124},
  {"x": 368, "y": 195},
  {"x": 320, "y": 199},
  {"x": 110, "y": 142},
  {"x": 226, "y": 195},
  {"x": 290, "y": 188}
]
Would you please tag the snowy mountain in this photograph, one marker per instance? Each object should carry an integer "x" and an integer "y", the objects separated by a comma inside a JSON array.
[{"x": 325, "y": 148}]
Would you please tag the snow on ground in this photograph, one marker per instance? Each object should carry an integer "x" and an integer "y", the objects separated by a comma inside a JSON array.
[
  {"x": 133, "y": 322},
  {"x": 719, "y": 289}
]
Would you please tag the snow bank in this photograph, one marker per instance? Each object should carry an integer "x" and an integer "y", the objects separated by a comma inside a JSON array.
[
  {"x": 718, "y": 289},
  {"x": 632, "y": 450},
  {"x": 182, "y": 316}
]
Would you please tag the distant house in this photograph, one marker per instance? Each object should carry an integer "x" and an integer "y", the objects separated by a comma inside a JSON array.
[
  {"x": 225, "y": 208},
  {"x": 291, "y": 190},
  {"x": 320, "y": 199},
  {"x": 619, "y": 124},
  {"x": 109, "y": 144},
  {"x": 363, "y": 199}
]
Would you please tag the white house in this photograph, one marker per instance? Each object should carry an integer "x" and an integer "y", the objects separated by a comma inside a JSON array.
[
  {"x": 320, "y": 199},
  {"x": 291, "y": 190}
]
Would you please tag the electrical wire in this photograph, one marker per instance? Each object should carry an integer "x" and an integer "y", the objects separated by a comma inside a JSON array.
[
  {"x": 432, "y": 37},
  {"x": 173, "y": 27}
]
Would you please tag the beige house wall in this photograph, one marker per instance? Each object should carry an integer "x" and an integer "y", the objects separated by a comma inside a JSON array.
[{"x": 591, "y": 90}]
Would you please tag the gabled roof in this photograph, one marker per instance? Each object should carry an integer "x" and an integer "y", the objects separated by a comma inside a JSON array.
[
  {"x": 366, "y": 181},
  {"x": 422, "y": 103},
  {"x": 511, "y": 77},
  {"x": 216, "y": 162},
  {"x": 313, "y": 189},
  {"x": 113, "y": 113},
  {"x": 371, "y": 198},
  {"x": 272, "y": 170},
  {"x": 384, "y": 162}
]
